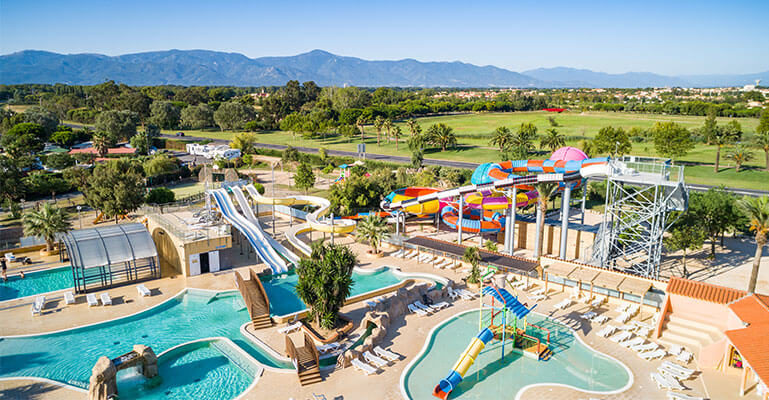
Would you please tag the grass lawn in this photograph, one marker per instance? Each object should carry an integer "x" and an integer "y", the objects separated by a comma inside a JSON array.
[
  {"x": 571, "y": 124},
  {"x": 187, "y": 189}
]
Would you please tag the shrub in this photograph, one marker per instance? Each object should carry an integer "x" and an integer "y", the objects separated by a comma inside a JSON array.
[{"x": 160, "y": 195}]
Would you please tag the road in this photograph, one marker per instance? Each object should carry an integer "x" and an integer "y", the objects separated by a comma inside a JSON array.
[{"x": 429, "y": 161}]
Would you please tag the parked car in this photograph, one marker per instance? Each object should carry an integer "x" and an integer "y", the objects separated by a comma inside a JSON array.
[{"x": 179, "y": 133}]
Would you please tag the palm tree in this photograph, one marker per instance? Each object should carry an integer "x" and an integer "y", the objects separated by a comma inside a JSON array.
[
  {"x": 473, "y": 257},
  {"x": 373, "y": 230},
  {"x": 361, "y": 122},
  {"x": 545, "y": 191},
  {"x": 396, "y": 135},
  {"x": 325, "y": 281},
  {"x": 101, "y": 143},
  {"x": 413, "y": 126},
  {"x": 378, "y": 124},
  {"x": 740, "y": 155},
  {"x": 720, "y": 136},
  {"x": 442, "y": 135},
  {"x": 46, "y": 222},
  {"x": 501, "y": 138},
  {"x": 761, "y": 140},
  {"x": 387, "y": 125},
  {"x": 552, "y": 139},
  {"x": 757, "y": 211},
  {"x": 588, "y": 146}
]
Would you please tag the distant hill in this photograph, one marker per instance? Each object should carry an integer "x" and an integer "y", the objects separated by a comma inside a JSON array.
[{"x": 203, "y": 67}]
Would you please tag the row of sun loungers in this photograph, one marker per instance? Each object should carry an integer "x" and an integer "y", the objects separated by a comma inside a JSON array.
[
  {"x": 563, "y": 304},
  {"x": 91, "y": 299},
  {"x": 681, "y": 396},
  {"x": 666, "y": 381},
  {"x": 424, "y": 310},
  {"x": 379, "y": 359}
]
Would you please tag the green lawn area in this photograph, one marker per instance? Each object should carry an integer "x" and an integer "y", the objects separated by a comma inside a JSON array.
[
  {"x": 571, "y": 124},
  {"x": 187, "y": 189}
]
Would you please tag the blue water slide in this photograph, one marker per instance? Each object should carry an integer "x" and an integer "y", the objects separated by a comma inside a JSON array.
[
  {"x": 227, "y": 208},
  {"x": 508, "y": 299}
]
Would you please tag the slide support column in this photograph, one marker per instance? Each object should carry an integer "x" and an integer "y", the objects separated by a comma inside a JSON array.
[
  {"x": 538, "y": 232},
  {"x": 511, "y": 222},
  {"x": 459, "y": 220},
  {"x": 565, "y": 220}
]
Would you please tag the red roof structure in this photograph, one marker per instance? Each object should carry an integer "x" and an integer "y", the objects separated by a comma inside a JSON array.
[
  {"x": 751, "y": 341},
  {"x": 704, "y": 291},
  {"x": 114, "y": 151}
]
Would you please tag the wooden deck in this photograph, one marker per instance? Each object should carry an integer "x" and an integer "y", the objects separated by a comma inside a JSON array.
[{"x": 255, "y": 299}]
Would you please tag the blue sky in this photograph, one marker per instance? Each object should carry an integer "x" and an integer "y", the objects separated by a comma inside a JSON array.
[{"x": 668, "y": 37}]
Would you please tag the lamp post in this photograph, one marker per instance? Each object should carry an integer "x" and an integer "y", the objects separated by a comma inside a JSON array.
[{"x": 79, "y": 218}]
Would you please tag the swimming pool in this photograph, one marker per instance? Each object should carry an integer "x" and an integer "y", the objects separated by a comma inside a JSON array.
[
  {"x": 283, "y": 299},
  {"x": 492, "y": 376},
  {"x": 45, "y": 281},
  {"x": 203, "y": 369},
  {"x": 68, "y": 356}
]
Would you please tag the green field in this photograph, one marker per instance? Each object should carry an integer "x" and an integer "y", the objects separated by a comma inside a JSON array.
[{"x": 573, "y": 125}]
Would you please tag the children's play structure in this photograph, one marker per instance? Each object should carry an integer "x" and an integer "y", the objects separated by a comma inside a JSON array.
[
  {"x": 501, "y": 318},
  {"x": 345, "y": 171}
]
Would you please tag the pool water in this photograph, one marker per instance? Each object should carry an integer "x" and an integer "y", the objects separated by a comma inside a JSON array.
[
  {"x": 68, "y": 356},
  {"x": 283, "y": 299},
  {"x": 195, "y": 371},
  {"x": 36, "y": 283},
  {"x": 494, "y": 376}
]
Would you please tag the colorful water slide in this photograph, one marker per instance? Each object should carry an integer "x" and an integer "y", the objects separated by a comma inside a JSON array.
[
  {"x": 493, "y": 172},
  {"x": 251, "y": 231},
  {"x": 458, "y": 371},
  {"x": 409, "y": 193},
  {"x": 508, "y": 300},
  {"x": 566, "y": 171},
  {"x": 315, "y": 220},
  {"x": 472, "y": 220},
  {"x": 249, "y": 213}
]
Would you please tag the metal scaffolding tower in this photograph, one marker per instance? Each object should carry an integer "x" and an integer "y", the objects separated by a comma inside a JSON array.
[{"x": 640, "y": 195}]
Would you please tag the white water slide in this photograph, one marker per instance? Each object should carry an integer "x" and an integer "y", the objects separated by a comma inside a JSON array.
[{"x": 253, "y": 232}]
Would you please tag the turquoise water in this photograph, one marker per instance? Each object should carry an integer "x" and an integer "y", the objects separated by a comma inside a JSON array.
[
  {"x": 495, "y": 377},
  {"x": 196, "y": 371},
  {"x": 68, "y": 356},
  {"x": 283, "y": 298},
  {"x": 36, "y": 283}
]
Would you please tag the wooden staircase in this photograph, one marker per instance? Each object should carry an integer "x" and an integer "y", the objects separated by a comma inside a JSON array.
[
  {"x": 306, "y": 360},
  {"x": 545, "y": 354},
  {"x": 255, "y": 299}
]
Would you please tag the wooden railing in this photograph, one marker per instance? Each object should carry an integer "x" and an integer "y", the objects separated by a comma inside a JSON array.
[
  {"x": 254, "y": 277},
  {"x": 291, "y": 352},
  {"x": 240, "y": 283},
  {"x": 310, "y": 344}
]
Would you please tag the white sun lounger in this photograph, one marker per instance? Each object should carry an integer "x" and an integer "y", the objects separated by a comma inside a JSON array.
[
  {"x": 386, "y": 354},
  {"x": 662, "y": 381},
  {"x": 642, "y": 348},
  {"x": 623, "y": 318},
  {"x": 290, "y": 328},
  {"x": 440, "y": 305},
  {"x": 622, "y": 308},
  {"x": 633, "y": 309},
  {"x": 681, "y": 368},
  {"x": 563, "y": 304},
  {"x": 417, "y": 311},
  {"x": 672, "y": 381},
  {"x": 627, "y": 327},
  {"x": 684, "y": 356},
  {"x": 328, "y": 348},
  {"x": 422, "y": 306},
  {"x": 91, "y": 299},
  {"x": 608, "y": 330},
  {"x": 361, "y": 366},
  {"x": 664, "y": 369},
  {"x": 397, "y": 253},
  {"x": 598, "y": 301},
  {"x": 37, "y": 305},
  {"x": 373, "y": 359},
  {"x": 538, "y": 297},
  {"x": 643, "y": 332},
  {"x": 588, "y": 315},
  {"x": 632, "y": 342},
  {"x": 69, "y": 298},
  {"x": 105, "y": 299},
  {"x": 413, "y": 254},
  {"x": 466, "y": 294},
  {"x": 143, "y": 291},
  {"x": 452, "y": 293},
  {"x": 681, "y": 396},
  {"x": 650, "y": 355},
  {"x": 676, "y": 349},
  {"x": 621, "y": 337},
  {"x": 538, "y": 292},
  {"x": 600, "y": 319}
]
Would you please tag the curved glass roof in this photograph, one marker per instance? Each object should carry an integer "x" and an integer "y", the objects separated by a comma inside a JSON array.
[{"x": 109, "y": 245}]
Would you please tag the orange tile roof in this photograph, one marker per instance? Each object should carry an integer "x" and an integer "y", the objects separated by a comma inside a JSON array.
[
  {"x": 754, "y": 311},
  {"x": 703, "y": 291},
  {"x": 113, "y": 150}
]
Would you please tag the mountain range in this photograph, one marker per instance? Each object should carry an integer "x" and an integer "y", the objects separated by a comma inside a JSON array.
[{"x": 204, "y": 67}]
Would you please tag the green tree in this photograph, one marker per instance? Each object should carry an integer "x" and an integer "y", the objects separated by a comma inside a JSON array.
[
  {"x": 387, "y": 125},
  {"x": 417, "y": 158},
  {"x": 102, "y": 142},
  {"x": 502, "y": 138},
  {"x": 45, "y": 118},
  {"x": 160, "y": 195},
  {"x": 10, "y": 180},
  {"x": 552, "y": 140},
  {"x": 720, "y": 136},
  {"x": 715, "y": 211},
  {"x": 685, "y": 237},
  {"x": 160, "y": 164},
  {"x": 442, "y": 136},
  {"x": 378, "y": 125},
  {"x": 396, "y": 134},
  {"x": 245, "y": 141},
  {"x": 522, "y": 143},
  {"x": 233, "y": 115},
  {"x": 304, "y": 177},
  {"x": 612, "y": 141},
  {"x": 165, "y": 114},
  {"x": 141, "y": 143},
  {"x": 372, "y": 230},
  {"x": 46, "y": 222},
  {"x": 361, "y": 123},
  {"x": 197, "y": 117},
  {"x": 414, "y": 126},
  {"x": 473, "y": 257},
  {"x": 116, "y": 187},
  {"x": 757, "y": 211},
  {"x": 588, "y": 146},
  {"x": 740, "y": 154},
  {"x": 671, "y": 140},
  {"x": 24, "y": 139},
  {"x": 545, "y": 192},
  {"x": 761, "y": 141},
  {"x": 491, "y": 246},
  {"x": 118, "y": 125},
  {"x": 325, "y": 281},
  {"x": 59, "y": 161}
]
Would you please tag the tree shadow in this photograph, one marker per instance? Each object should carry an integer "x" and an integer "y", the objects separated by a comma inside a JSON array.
[{"x": 32, "y": 391}]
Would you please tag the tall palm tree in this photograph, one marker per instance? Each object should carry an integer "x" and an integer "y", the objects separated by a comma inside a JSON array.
[
  {"x": 361, "y": 122},
  {"x": 325, "y": 281},
  {"x": 501, "y": 138},
  {"x": 473, "y": 257},
  {"x": 378, "y": 124},
  {"x": 740, "y": 155},
  {"x": 545, "y": 191},
  {"x": 373, "y": 230},
  {"x": 387, "y": 125},
  {"x": 757, "y": 211},
  {"x": 46, "y": 222},
  {"x": 413, "y": 126},
  {"x": 720, "y": 136},
  {"x": 101, "y": 143},
  {"x": 552, "y": 139},
  {"x": 442, "y": 135},
  {"x": 761, "y": 140},
  {"x": 396, "y": 135}
]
